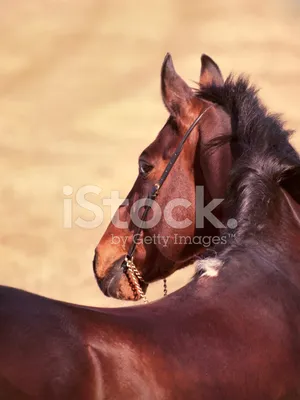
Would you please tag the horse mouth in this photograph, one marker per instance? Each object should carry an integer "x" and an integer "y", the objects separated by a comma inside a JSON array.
[
  {"x": 109, "y": 284},
  {"x": 117, "y": 284}
]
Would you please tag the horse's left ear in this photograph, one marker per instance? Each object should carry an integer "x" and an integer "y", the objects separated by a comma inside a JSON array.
[{"x": 210, "y": 72}]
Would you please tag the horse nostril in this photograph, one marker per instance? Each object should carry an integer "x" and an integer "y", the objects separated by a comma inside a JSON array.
[
  {"x": 111, "y": 289},
  {"x": 107, "y": 285}
]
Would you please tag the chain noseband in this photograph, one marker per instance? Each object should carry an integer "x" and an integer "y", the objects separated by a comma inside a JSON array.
[{"x": 129, "y": 268}]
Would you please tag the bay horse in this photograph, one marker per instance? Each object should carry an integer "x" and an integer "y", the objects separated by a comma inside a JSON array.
[
  {"x": 153, "y": 259},
  {"x": 231, "y": 333}
]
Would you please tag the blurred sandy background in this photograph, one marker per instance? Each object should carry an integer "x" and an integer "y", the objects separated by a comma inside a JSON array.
[{"x": 80, "y": 99}]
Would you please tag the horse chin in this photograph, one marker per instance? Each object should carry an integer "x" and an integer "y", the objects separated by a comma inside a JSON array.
[
  {"x": 116, "y": 285},
  {"x": 122, "y": 289}
]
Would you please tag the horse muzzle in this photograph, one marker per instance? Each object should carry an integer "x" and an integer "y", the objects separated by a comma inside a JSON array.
[{"x": 115, "y": 282}]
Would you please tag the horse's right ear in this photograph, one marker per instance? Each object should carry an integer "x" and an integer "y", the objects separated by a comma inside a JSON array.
[
  {"x": 210, "y": 72},
  {"x": 175, "y": 92}
]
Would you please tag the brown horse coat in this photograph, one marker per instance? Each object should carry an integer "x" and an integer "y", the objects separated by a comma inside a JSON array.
[{"x": 232, "y": 333}]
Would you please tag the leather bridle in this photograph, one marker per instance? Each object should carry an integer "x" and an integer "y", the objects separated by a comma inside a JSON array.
[{"x": 132, "y": 273}]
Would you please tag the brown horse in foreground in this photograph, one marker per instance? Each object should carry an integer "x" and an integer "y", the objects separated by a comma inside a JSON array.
[{"x": 231, "y": 333}]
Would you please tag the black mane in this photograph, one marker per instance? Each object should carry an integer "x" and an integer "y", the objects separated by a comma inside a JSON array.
[
  {"x": 253, "y": 127},
  {"x": 263, "y": 158}
]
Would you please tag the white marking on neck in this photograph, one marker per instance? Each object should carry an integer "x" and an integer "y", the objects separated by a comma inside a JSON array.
[{"x": 209, "y": 266}]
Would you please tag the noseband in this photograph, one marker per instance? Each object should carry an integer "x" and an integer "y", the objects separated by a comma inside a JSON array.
[{"x": 129, "y": 268}]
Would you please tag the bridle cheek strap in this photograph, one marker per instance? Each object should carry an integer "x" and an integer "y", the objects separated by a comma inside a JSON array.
[{"x": 128, "y": 266}]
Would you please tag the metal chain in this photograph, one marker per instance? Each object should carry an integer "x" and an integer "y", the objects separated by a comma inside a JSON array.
[
  {"x": 134, "y": 276},
  {"x": 165, "y": 287},
  {"x": 133, "y": 268}
]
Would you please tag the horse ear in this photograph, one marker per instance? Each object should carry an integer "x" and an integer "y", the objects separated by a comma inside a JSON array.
[
  {"x": 210, "y": 72},
  {"x": 175, "y": 92}
]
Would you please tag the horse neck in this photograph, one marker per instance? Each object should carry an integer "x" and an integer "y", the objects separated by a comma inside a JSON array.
[
  {"x": 271, "y": 229},
  {"x": 288, "y": 235}
]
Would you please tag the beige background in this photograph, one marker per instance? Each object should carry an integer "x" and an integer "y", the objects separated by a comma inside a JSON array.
[{"x": 80, "y": 99}]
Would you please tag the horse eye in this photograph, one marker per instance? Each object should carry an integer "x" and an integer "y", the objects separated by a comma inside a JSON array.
[{"x": 145, "y": 168}]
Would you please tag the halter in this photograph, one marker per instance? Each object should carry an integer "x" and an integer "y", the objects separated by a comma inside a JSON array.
[{"x": 129, "y": 268}]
